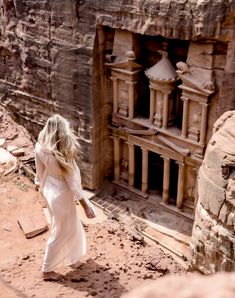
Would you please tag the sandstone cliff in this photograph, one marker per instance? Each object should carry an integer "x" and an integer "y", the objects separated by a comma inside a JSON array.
[{"x": 48, "y": 56}]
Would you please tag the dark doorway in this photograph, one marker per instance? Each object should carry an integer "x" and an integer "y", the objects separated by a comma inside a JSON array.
[
  {"x": 142, "y": 106},
  {"x": 155, "y": 173},
  {"x": 138, "y": 167},
  {"x": 174, "y": 169}
]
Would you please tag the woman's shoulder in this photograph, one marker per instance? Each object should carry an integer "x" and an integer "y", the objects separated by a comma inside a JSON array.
[{"x": 40, "y": 148}]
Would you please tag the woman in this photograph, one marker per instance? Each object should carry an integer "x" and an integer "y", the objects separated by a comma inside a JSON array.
[{"x": 58, "y": 179}]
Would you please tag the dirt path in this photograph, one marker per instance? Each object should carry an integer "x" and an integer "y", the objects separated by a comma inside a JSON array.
[{"x": 117, "y": 261}]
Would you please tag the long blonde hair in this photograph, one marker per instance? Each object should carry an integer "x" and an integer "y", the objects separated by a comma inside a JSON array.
[{"x": 59, "y": 138}]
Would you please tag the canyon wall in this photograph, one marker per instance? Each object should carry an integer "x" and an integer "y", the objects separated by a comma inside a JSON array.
[
  {"x": 213, "y": 243},
  {"x": 52, "y": 54}
]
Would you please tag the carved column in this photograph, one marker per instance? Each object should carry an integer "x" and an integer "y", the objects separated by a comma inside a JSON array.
[
  {"x": 115, "y": 94},
  {"x": 185, "y": 118},
  {"x": 203, "y": 123},
  {"x": 131, "y": 99},
  {"x": 131, "y": 164},
  {"x": 152, "y": 104},
  {"x": 144, "y": 186},
  {"x": 166, "y": 180},
  {"x": 180, "y": 188},
  {"x": 165, "y": 110},
  {"x": 116, "y": 142}
]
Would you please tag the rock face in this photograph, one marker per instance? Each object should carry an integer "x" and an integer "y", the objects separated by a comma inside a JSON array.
[
  {"x": 213, "y": 242},
  {"x": 52, "y": 55},
  {"x": 216, "y": 286}
]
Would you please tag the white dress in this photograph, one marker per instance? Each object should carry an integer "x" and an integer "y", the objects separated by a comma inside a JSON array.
[{"x": 67, "y": 241}]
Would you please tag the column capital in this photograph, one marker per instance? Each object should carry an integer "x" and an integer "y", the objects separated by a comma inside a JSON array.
[
  {"x": 130, "y": 143},
  {"x": 113, "y": 78},
  {"x": 165, "y": 157},
  {"x": 180, "y": 163},
  {"x": 131, "y": 82},
  {"x": 144, "y": 149},
  {"x": 204, "y": 104},
  {"x": 115, "y": 137},
  {"x": 183, "y": 98}
]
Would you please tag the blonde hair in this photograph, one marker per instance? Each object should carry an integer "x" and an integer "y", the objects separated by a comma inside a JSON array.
[{"x": 59, "y": 138}]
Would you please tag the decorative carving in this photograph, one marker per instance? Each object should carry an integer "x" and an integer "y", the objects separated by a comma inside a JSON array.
[
  {"x": 125, "y": 75},
  {"x": 123, "y": 99},
  {"x": 124, "y": 170},
  {"x": 193, "y": 134},
  {"x": 162, "y": 80},
  {"x": 192, "y": 80}
]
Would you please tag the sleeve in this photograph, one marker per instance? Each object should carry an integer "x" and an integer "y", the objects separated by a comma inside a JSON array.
[
  {"x": 74, "y": 183},
  {"x": 40, "y": 168}
]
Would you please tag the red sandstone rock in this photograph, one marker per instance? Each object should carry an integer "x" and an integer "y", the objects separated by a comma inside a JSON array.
[
  {"x": 212, "y": 244},
  {"x": 32, "y": 224},
  {"x": 193, "y": 286}
]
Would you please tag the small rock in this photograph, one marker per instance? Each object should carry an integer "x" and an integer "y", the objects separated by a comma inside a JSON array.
[
  {"x": 80, "y": 279},
  {"x": 11, "y": 148},
  {"x": 2, "y": 142},
  {"x": 25, "y": 257},
  {"x": 18, "y": 152},
  {"x": 148, "y": 276},
  {"x": 138, "y": 239}
]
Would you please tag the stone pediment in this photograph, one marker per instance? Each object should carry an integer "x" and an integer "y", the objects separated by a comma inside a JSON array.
[
  {"x": 194, "y": 81},
  {"x": 127, "y": 63},
  {"x": 165, "y": 141}
]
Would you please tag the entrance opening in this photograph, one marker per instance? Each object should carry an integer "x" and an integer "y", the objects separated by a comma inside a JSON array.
[
  {"x": 155, "y": 173},
  {"x": 174, "y": 169},
  {"x": 138, "y": 167}
]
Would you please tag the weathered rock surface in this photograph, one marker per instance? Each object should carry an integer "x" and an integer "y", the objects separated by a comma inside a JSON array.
[
  {"x": 213, "y": 242},
  {"x": 50, "y": 59},
  {"x": 216, "y": 286},
  {"x": 7, "y": 161}
]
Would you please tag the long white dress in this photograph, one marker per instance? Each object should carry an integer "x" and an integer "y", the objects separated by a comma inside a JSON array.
[{"x": 67, "y": 241}]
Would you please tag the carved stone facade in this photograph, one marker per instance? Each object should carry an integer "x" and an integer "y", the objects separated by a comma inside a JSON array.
[
  {"x": 213, "y": 242},
  {"x": 162, "y": 115},
  {"x": 98, "y": 64}
]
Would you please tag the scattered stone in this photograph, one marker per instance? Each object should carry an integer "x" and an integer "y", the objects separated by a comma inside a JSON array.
[
  {"x": 8, "y": 162},
  {"x": 32, "y": 224},
  {"x": 27, "y": 170},
  {"x": 124, "y": 197},
  {"x": 138, "y": 239},
  {"x": 18, "y": 152},
  {"x": 12, "y": 136},
  {"x": 79, "y": 279},
  {"x": 26, "y": 257},
  {"x": 11, "y": 148},
  {"x": 2, "y": 142}
]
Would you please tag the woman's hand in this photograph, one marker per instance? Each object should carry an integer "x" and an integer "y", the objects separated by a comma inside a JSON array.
[{"x": 89, "y": 212}]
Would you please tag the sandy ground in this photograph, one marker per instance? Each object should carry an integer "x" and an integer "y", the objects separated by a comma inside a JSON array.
[{"x": 118, "y": 257}]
